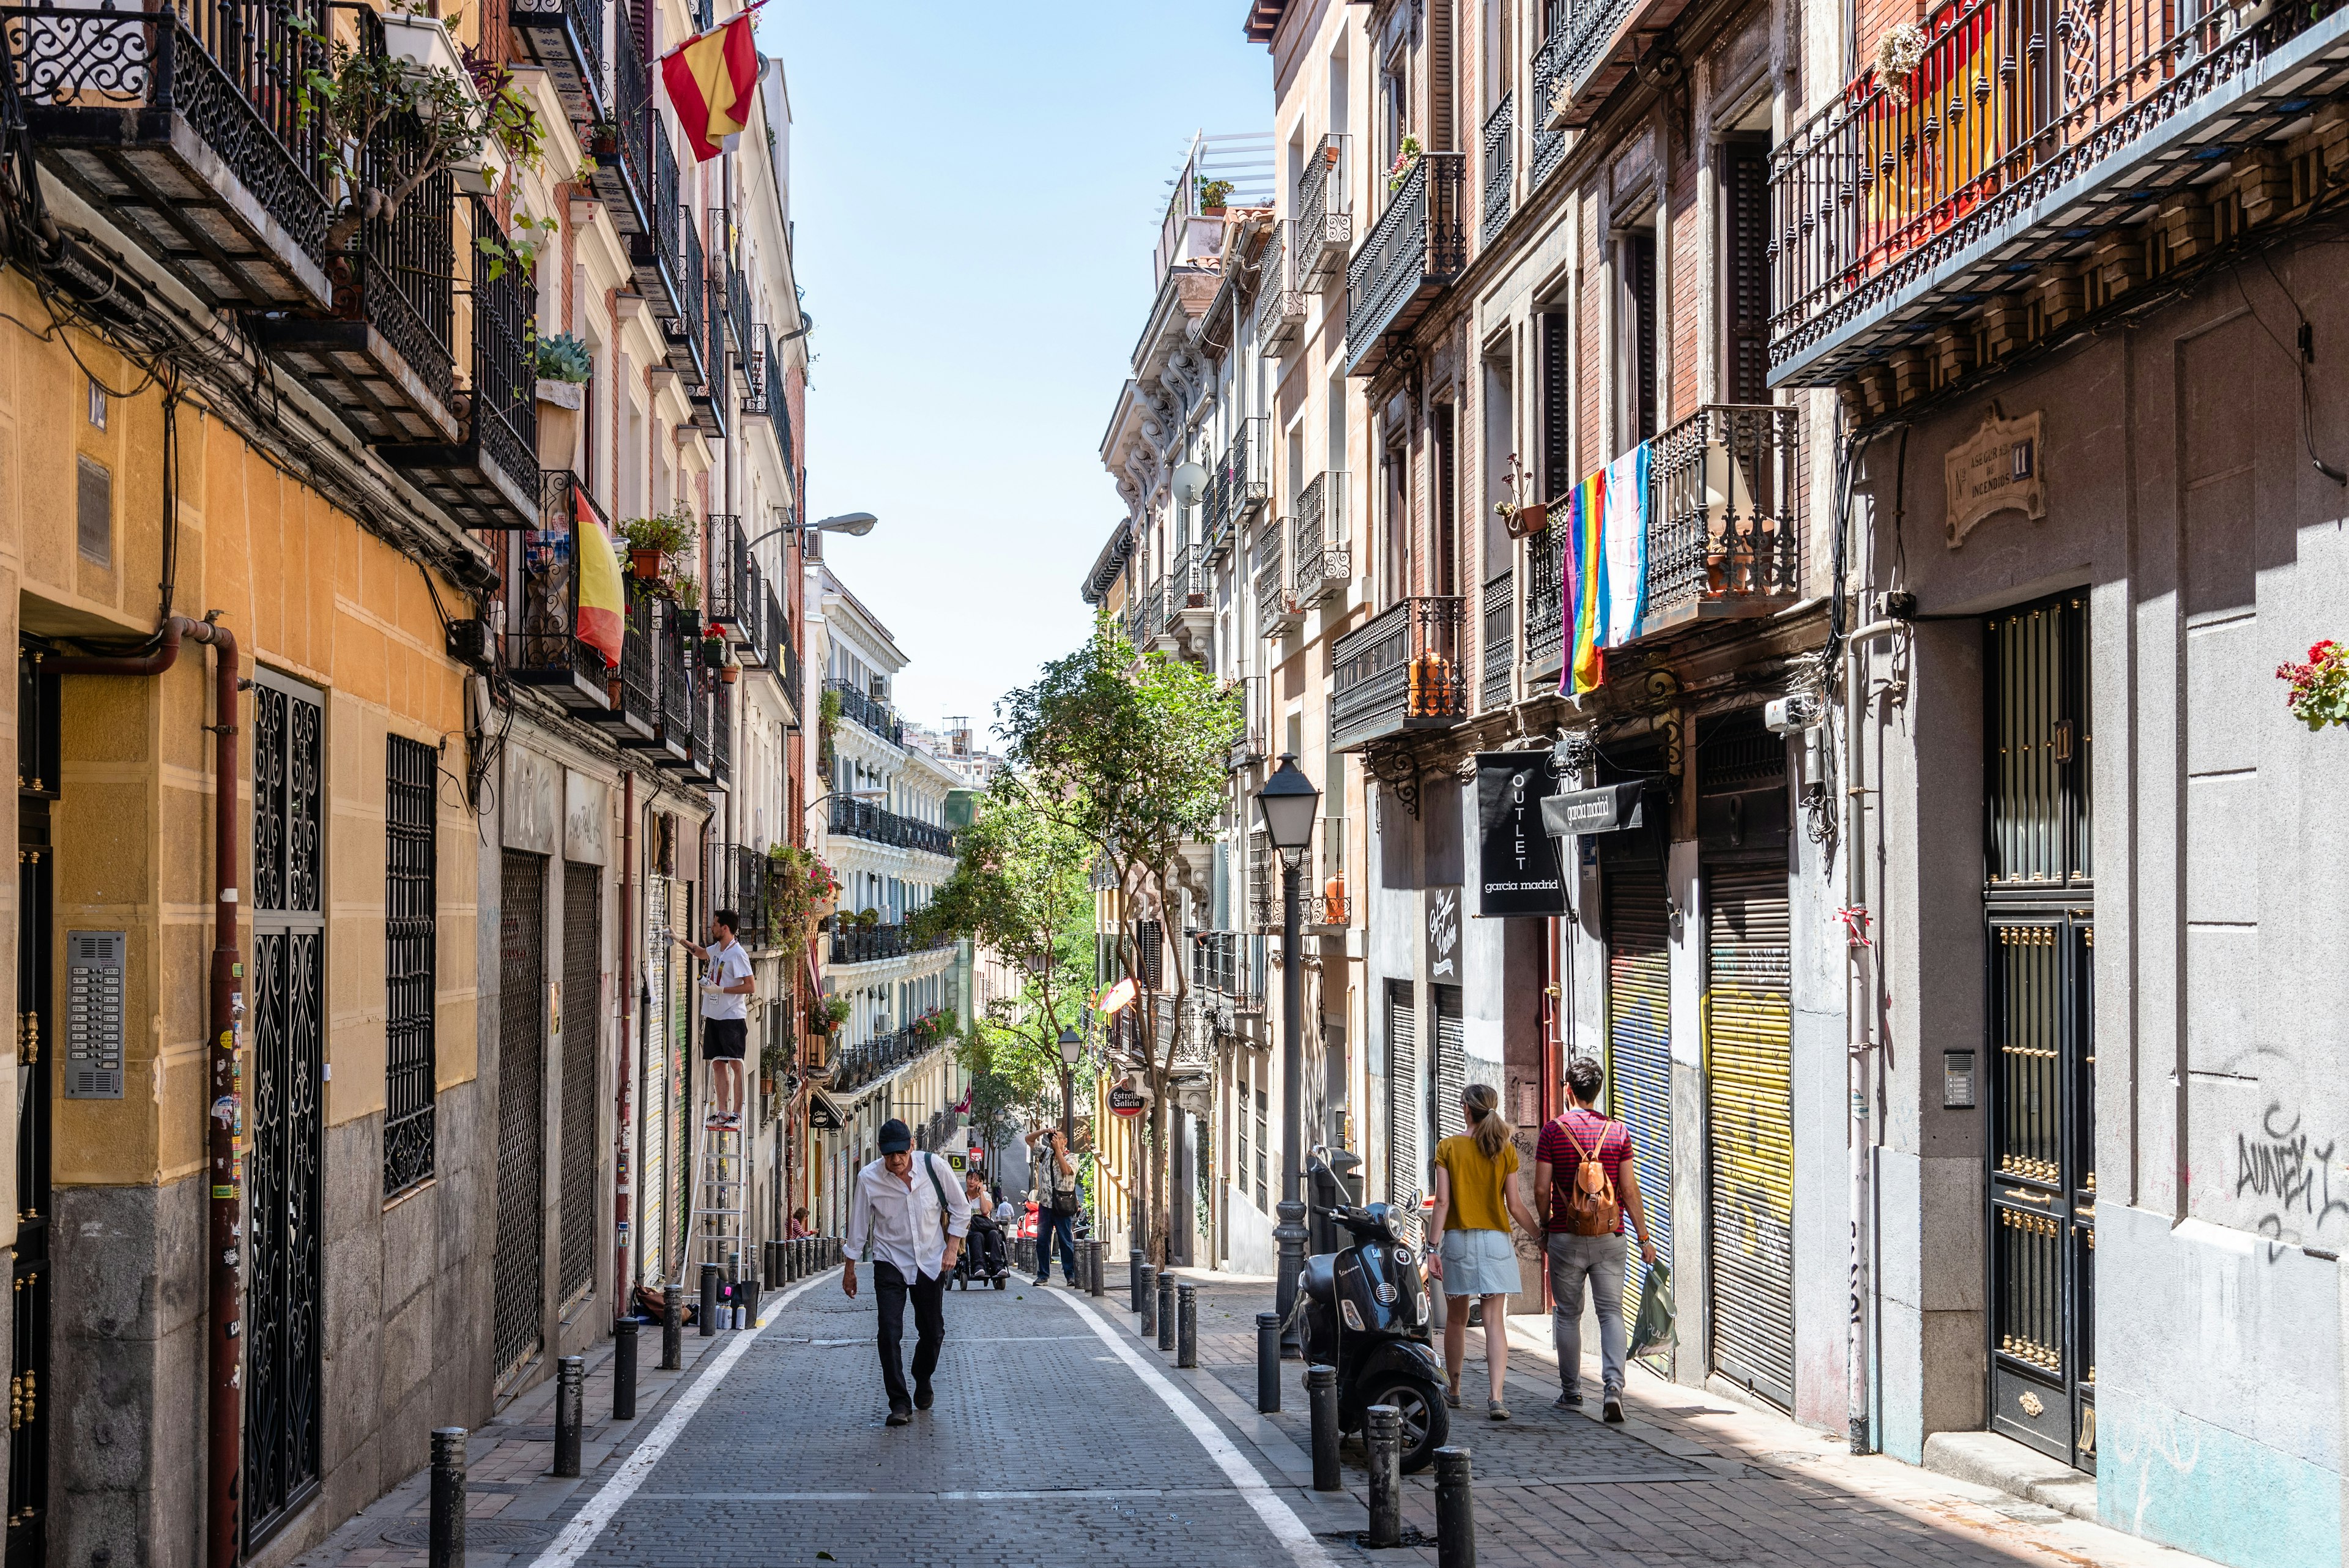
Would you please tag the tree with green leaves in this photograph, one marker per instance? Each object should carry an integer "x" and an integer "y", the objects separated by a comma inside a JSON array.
[{"x": 1128, "y": 754}]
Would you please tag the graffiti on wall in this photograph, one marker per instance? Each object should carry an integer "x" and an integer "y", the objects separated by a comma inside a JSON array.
[{"x": 2281, "y": 1169}]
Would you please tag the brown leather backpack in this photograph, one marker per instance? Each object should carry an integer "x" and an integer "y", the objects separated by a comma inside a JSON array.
[{"x": 1591, "y": 1208}]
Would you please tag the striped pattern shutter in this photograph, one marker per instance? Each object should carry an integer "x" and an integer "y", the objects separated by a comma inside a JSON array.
[
  {"x": 1749, "y": 1129},
  {"x": 1640, "y": 1039},
  {"x": 1451, "y": 1065},
  {"x": 1403, "y": 1174},
  {"x": 652, "y": 1101}
]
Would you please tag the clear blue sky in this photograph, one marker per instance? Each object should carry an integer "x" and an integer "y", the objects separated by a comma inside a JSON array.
[{"x": 976, "y": 189}]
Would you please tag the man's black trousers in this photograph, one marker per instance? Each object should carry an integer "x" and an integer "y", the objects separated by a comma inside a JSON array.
[{"x": 929, "y": 1293}]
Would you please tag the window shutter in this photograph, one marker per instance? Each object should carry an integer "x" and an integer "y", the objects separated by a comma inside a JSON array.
[
  {"x": 1746, "y": 309},
  {"x": 1639, "y": 273},
  {"x": 1557, "y": 408}
]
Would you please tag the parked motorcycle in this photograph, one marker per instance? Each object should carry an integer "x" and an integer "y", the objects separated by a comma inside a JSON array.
[{"x": 1364, "y": 1311}]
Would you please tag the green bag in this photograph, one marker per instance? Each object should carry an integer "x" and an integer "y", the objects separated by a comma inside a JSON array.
[{"x": 1655, "y": 1332}]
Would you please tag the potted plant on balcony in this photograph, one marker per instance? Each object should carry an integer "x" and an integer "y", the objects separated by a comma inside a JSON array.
[
  {"x": 1212, "y": 194},
  {"x": 653, "y": 542},
  {"x": 1520, "y": 517},
  {"x": 2319, "y": 690},
  {"x": 1406, "y": 154}
]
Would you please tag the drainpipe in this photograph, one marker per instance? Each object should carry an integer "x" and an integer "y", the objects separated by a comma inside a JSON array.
[
  {"x": 1859, "y": 1047},
  {"x": 624, "y": 1302},
  {"x": 224, "y": 1126}
]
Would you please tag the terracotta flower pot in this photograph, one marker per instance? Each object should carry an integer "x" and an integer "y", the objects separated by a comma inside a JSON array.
[
  {"x": 729, "y": 673},
  {"x": 1532, "y": 518},
  {"x": 648, "y": 565}
]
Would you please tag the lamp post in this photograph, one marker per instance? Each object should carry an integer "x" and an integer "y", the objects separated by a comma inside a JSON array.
[
  {"x": 1287, "y": 803},
  {"x": 856, "y": 525},
  {"x": 1073, "y": 1045}
]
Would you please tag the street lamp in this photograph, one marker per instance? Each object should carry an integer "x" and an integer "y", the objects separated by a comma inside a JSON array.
[
  {"x": 1287, "y": 803},
  {"x": 856, "y": 525},
  {"x": 1073, "y": 1045}
]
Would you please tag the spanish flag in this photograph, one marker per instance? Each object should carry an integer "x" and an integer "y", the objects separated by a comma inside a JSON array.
[
  {"x": 711, "y": 79},
  {"x": 603, "y": 601}
]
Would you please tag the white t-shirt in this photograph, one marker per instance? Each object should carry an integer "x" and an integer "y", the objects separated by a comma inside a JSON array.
[{"x": 727, "y": 967}]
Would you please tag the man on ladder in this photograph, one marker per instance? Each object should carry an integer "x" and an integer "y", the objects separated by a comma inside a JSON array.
[{"x": 726, "y": 987}]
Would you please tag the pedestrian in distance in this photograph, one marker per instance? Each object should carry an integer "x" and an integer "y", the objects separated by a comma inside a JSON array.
[
  {"x": 726, "y": 987},
  {"x": 1471, "y": 1251},
  {"x": 1056, "y": 1203},
  {"x": 800, "y": 1226},
  {"x": 913, "y": 1221},
  {"x": 1585, "y": 1184}
]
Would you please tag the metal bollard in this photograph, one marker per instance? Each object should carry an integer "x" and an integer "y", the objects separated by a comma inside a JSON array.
[
  {"x": 1383, "y": 1435},
  {"x": 448, "y": 1537},
  {"x": 624, "y": 1369},
  {"x": 706, "y": 1319},
  {"x": 570, "y": 1412},
  {"x": 1186, "y": 1325},
  {"x": 1268, "y": 1362},
  {"x": 1456, "y": 1510},
  {"x": 672, "y": 1330},
  {"x": 750, "y": 1292},
  {"x": 1100, "y": 1284},
  {"x": 1166, "y": 1310},
  {"x": 1149, "y": 1302},
  {"x": 1133, "y": 1267},
  {"x": 1321, "y": 1398}
]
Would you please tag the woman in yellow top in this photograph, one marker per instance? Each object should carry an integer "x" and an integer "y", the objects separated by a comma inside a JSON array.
[{"x": 1468, "y": 1242}]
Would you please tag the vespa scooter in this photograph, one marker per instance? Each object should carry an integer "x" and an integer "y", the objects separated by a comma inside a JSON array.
[{"x": 1364, "y": 1311}]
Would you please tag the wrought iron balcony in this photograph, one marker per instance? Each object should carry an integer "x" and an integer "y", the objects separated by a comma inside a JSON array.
[
  {"x": 566, "y": 38},
  {"x": 2098, "y": 149},
  {"x": 1496, "y": 657},
  {"x": 1544, "y": 628},
  {"x": 775, "y": 652},
  {"x": 1247, "y": 468},
  {"x": 1598, "y": 44},
  {"x": 631, "y": 714},
  {"x": 1722, "y": 537},
  {"x": 1321, "y": 561},
  {"x": 700, "y": 765},
  {"x": 867, "y": 712},
  {"x": 1276, "y": 613},
  {"x": 719, "y": 705},
  {"x": 1399, "y": 671},
  {"x": 852, "y": 943},
  {"x": 542, "y": 646},
  {"x": 1418, "y": 245},
  {"x": 1500, "y": 172},
  {"x": 1324, "y": 230},
  {"x": 1136, "y": 624},
  {"x": 746, "y": 336},
  {"x": 622, "y": 146},
  {"x": 1218, "y": 525},
  {"x": 656, "y": 257},
  {"x": 671, "y": 739},
  {"x": 1156, "y": 633},
  {"x": 735, "y": 581},
  {"x": 1251, "y": 745},
  {"x": 1230, "y": 964},
  {"x": 179, "y": 120},
  {"x": 740, "y": 882},
  {"x": 862, "y": 819},
  {"x": 1190, "y": 607},
  {"x": 1279, "y": 304},
  {"x": 687, "y": 331},
  {"x": 489, "y": 478},
  {"x": 708, "y": 398},
  {"x": 1548, "y": 88}
]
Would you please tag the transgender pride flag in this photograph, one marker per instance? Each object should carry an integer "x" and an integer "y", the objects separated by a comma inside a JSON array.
[{"x": 1605, "y": 563}]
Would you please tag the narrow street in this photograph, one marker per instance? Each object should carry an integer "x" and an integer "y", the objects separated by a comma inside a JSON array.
[{"x": 1060, "y": 1437}]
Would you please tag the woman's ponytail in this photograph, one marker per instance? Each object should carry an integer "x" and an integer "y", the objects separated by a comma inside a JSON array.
[{"x": 1487, "y": 1124}]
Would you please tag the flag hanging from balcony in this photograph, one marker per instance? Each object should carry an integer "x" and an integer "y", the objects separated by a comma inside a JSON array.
[
  {"x": 711, "y": 77},
  {"x": 603, "y": 601},
  {"x": 1605, "y": 565}
]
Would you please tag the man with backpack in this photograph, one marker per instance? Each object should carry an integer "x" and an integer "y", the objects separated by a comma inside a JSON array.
[
  {"x": 914, "y": 1228},
  {"x": 1585, "y": 1184}
]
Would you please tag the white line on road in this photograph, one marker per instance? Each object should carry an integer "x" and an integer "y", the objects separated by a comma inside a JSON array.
[
  {"x": 1270, "y": 1507},
  {"x": 589, "y": 1522}
]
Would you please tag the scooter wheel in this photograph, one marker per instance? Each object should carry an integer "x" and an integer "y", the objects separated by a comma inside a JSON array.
[
  {"x": 1002, "y": 1283},
  {"x": 1427, "y": 1423}
]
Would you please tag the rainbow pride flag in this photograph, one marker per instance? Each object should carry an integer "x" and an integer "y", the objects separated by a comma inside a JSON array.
[{"x": 1605, "y": 565}]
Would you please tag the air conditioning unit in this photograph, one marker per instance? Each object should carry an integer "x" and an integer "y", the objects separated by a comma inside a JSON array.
[{"x": 471, "y": 644}]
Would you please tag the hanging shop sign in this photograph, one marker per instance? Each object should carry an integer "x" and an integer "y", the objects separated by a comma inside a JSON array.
[
  {"x": 1996, "y": 469},
  {"x": 1127, "y": 1102},
  {"x": 1610, "y": 808},
  {"x": 1443, "y": 936},
  {"x": 1517, "y": 859},
  {"x": 822, "y": 1115}
]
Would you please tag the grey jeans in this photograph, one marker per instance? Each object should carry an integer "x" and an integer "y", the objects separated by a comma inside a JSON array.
[{"x": 1599, "y": 1259}]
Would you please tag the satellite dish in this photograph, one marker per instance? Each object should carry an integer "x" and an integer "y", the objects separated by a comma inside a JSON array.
[{"x": 1190, "y": 483}]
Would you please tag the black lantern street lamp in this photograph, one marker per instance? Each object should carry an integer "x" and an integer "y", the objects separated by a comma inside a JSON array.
[
  {"x": 1289, "y": 804},
  {"x": 1073, "y": 1045}
]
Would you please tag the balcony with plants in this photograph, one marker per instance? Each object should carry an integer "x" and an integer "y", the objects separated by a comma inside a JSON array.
[
  {"x": 2007, "y": 171},
  {"x": 1320, "y": 559},
  {"x": 183, "y": 120},
  {"x": 1416, "y": 248},
  {"x": 1400, "y": 671},
  {"x": 1324, "y": 230},
  {"x": 1279, "y": 303}
]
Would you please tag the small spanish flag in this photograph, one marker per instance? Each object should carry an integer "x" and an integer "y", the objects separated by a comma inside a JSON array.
[
  {"x": 711, "y": 79},
  {"x": 603, "y": 601}
]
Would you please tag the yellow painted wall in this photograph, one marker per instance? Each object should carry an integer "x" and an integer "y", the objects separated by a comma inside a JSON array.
[{"x": 307, "y": 593}]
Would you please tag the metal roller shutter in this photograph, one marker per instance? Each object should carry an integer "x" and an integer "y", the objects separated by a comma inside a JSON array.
[
  {"x": 1403, "y": 1174},
  {"x": 1640, "y": 1040},
  {"x": 1451, "y": 1064},
  {"x": 1749, "y": 1129}
]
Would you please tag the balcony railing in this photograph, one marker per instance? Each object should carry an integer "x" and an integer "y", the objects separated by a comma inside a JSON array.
[
  {"x": 1593, "y": 42},
  {"x": 741, "y": 884},
  {"x": 1548, "y": 84},
  {"x": 1500, "y": 170},
  {"x": 1279, "y": 304},
  {"x": 853, "y": 943},
  {"x": 1247, "y": 468},
  {"x": 1274, "y": 612},
  {"x": 707, "y": 397},
  {"x": 861, "y": 1064},
  {"x": 489, "y": 479},
  {"x": 1321, "y": 560},
  {"x": 565, "y": 38},
  {"x": 180, "y": 121},
  {"x": 862, "y": 819},
  {"x": 541, "y": 614},
  {"x": 868, "y": 711},
  {"x": 1218, "y": 524},
  {"x": 2030, "y": 132},
  {"x": 719, "y": 707},
  {"x": 738, "y": 324},
  {"x": 1723, "y": 536},
  {"x": 1153, "y": 614},
  {"x": 736, "y": 583},
  {"x": 1545, "y": 629},
  {"x": 1229, "y": 964},
  {"x": 632, "y": 716},
  {"x": 1399, "y": 671},
  {"x": 1324, "y": 230},
  {"x": 1496, "y": 657},
  {"x": 622, "y": 145},
  {"x": 670, "y": 742},
  {"x": 1252, "y": 743},
  {"x": 657, "y": 255},
  {"x": 1418, "y": 245},
  {"x": 687, "y": 331},
  {"x": 758, "y": 399}
]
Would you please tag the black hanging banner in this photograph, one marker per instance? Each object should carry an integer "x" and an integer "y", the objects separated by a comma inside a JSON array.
[{"x": 1517, "y": 859}]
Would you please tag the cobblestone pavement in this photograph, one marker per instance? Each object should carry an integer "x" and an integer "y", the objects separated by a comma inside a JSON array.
[{"x": 1060, "y": 1437}]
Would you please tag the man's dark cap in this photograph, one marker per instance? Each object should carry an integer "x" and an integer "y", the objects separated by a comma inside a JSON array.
[{"x": 897, "y": 1138}]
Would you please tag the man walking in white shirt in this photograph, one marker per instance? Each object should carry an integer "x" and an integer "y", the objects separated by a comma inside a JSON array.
[
  {"x": 913, "y": 1221},
  {"x": 726, "y": 988}
]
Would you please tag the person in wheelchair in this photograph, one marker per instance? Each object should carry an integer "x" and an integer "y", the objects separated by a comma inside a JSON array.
[{"x": 986, "y": 1255}]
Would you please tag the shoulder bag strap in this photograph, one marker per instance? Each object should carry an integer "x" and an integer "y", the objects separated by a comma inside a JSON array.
[{"x": 930, "y": 1164}]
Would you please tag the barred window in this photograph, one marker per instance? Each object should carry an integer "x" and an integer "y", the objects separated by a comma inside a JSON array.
[{"x": 408, "y": 906}]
